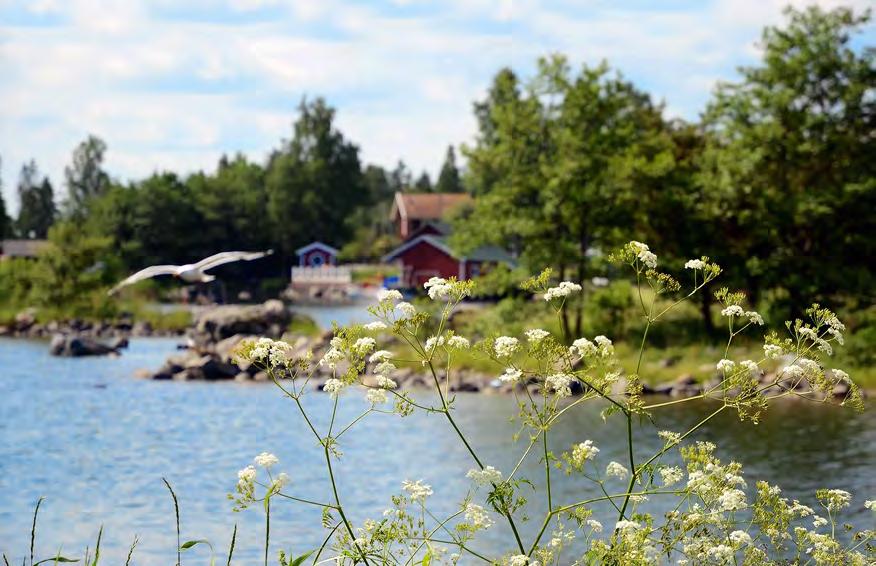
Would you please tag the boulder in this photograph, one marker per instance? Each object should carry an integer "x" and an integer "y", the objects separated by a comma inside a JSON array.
[
  {"x": 225, "y": 321},
  {"x": 25, "y": 319},
  {"x": 75, "y": 346}
]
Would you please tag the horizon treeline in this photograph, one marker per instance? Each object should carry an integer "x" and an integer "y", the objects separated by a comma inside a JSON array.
[{"x": 776, "y": 181}]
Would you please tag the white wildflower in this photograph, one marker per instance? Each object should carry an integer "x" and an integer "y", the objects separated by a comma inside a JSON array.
[
  {"x": 385, "y": 382},
  {"x": 477, "y": 517},
  {"x": 511, "y": 375},
  {"x": 638, "y": 247},
  {"x": 695, "y": 264},
  {"x": 458, "y": 342},
  {"x": 560, "y": 384},
  {"x": 772, "y": 351},
  {"x": 505, "y": 346},
  {"x": 750, "y": 365},
  {"x": 380, "y": 356},
  {"x": 754, "y": 317},
  {"x": 818, "y": 521},
  {"x": 488, "y": 475},
  {"x": 726, "y": 366},
  {"x": 582, "y": 452},
  {"x": 438, "y": 288},
  {"x": 407, "y": 309},
  {"x": 648, "y": 258},
  {"x": 793, "y": 372},
  {"x": 583, "y": 347},
  {"x": 564, "y": 289},
  {"x": 720, "y": 553},
  {"x": 870, "y": 504},
  {"x": 536, "y": 335},
  {"x": 733, "y": 310},
  {"x": 616, "y": 470},
  {"x": 417, "y": 491},
  {"x": 333, "y": 387},
  {"x": 387, "y": 295},
  {"x": 384, "y": 368},
  {"x": 595, "y": 525},
  {"x": 434, "y": 342},
  {"x": 599, "y": 281},
  {"x": 669, "y": 437},
  {"x": 624, "y": 525},
  {"x": 376, "y": 396},
  {"x": 266, "y": 460},
  {"x": 331, "y": 357},
  {"x": 740, "y": 538},
  {"x": 837, "y": 499},
  {"x": 671, "y": 475},
  {"x": 364, "y": 345},
  {"x": 281, "y": 481},
  {"x": 246, "y": 475},
  {"x": 732, "y": 500},
  {"x": 519, "y": 560},
  {"x": 376, "y": 325}
]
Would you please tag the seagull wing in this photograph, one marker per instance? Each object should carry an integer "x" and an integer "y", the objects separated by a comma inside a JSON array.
[
  {"x": 229, "y": 257},
  {"x": 147, "y": 273}
]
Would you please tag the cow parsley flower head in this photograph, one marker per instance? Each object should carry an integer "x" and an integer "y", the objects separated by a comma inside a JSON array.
[
  {"x": 536, "y": 335},
  {"x": 246, "y": 475},
  {"x": 669, "y": 437},
  {"x": 487, "y": 476},
  {"x": 583, "y": 347},
  {"x": 281, "y": 481},
  {"x": 331, "y": 358},
  {"x": 417, "y": 491},
  {"x": 624, "y": 525},
  {"x": 477, "y": 517},
  {"x": 266, "y": 460},
  {"x": 388, "y": 295},
  {"x": 364, "y": 345},
  {"x": 333, "y": 387},
  {"x": 563, "y": 290},
  {"x": 671, "y": 475},
  {"x": 519, "y": 560},
  {"x": 582, "y": 452},
  {"x": 560, "y": 384},
  {"x": 594, "y": 525},
  {"x": 458, "y": 342},
  {"x": 750, "y": 365},
  {"x": 511, "y": 375},
  {"x": 376, "y": 325},
  {"x": 506, "y": 346},
  {"x": 648, "y": 258},
  {"x": 434, "y": 342},
  {"x": 726, "y": 366},
  {"x": 772, "y": 351},
  {"x": 754, "y": 317},
  {"x": 870, "y": 504},
  {"x": 740, "y": 537},
  {"x": 376, "y": 396},
  {"x": 616, "y": 470},
  {"x": 732, "y": 500},
  {"x": 733, "y": 310},
  {"x": 380, "y": 356},
  {"x": 694, "y": 264},
  {"x": 406, "y": 309},
  {"x": 834, "y": 499},
  {"x": 385, "y": 382},
  {"x": 438, "y": 288}
]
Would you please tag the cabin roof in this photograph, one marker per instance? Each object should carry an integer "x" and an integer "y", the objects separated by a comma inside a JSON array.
[
  {"x": 22, "y": 248},
  {"x": 316, "y": 246},
  {"x": 482, "y": 253},
  {"x": 427, "y": 206}
]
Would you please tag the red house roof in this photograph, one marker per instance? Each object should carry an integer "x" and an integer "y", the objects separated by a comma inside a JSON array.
[{"x": 426, "y": 206}]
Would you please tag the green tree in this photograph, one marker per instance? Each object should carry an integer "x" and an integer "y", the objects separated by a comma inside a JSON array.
[
  {"x": 85, "y": 177},
  {"x": 378, "y": 184},
  {"x": 560, "y": 168},
  {"x": 5, "y": 222},
  {"x": 423, "y": 184},
  {"x": 789, "y": 165},
  {"x": 314, "y": 182},
  {"x": 449, "y": 180},
  {"x": 400, "y": 178},
  {"x": 36, "y": 198}
]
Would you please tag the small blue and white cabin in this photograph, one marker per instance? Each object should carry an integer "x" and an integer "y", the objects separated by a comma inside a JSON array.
[{"x": 316, "y": 254}]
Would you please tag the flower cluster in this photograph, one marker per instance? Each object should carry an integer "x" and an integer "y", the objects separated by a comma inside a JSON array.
[{"x": 561, "y": 291}]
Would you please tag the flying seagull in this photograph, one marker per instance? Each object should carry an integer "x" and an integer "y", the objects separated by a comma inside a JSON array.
[{"x": 191, "y": 272}]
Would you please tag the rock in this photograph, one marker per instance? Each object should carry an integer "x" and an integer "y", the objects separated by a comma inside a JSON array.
[
  {"x": 25, "y": 319},
  {"x": 224, "y": 349},
  {"x": 5, "y": 330},
  {"x": 141, "y": 329},
  {"x": 242, "y": 376},
  {"x": 225, "y": 321},
  {"x": 77, "y": 346},
  {"x": 118, "y": 343}
]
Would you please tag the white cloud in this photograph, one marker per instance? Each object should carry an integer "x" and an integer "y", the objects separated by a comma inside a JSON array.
[{"x": 175, "y": 93}]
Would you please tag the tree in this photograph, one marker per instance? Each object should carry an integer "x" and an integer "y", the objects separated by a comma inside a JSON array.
[
  {"x": 559, "y": 170},
  {"x": 314, "y": 182},
  {"x": 789, "y": 165},
  {"x": 378, "y": 184},
  {"x": 86, "y": 180},
  {"x": 400, "y": 179},
  {"x": 5, "y": 222},
  {"x": 423, "y": 184},
  {"x": 37, "y": 209},
  {"x": 449, "y": 180}
]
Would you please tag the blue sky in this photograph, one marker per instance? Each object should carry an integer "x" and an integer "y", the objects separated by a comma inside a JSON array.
[{"x": 173, "y": 84}]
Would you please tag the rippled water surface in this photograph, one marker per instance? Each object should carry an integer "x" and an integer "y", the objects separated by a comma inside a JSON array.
[{"x": 96, "y": 442}]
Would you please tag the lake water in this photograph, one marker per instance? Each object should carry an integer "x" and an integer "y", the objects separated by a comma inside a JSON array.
[{"x": 96, "y": 442}]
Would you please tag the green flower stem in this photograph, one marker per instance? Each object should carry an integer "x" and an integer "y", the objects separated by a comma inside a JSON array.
[
  {"x": 324, "y": 544},
  {"x": 429, "y": 537},
  {"x": 307, "y": 501}
]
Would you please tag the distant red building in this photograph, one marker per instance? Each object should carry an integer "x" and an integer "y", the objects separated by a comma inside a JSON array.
[
  {"x": 316, "y": 254},
  {"x": 410, "y": 212},
  {"x": 426, "y": 253}
]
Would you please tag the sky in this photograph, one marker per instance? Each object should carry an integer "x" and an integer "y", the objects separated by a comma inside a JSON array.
[{"x": 174, "y": 84}]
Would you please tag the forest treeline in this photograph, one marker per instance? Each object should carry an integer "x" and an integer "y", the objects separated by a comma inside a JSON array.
[{"x": 776, "y": 181}]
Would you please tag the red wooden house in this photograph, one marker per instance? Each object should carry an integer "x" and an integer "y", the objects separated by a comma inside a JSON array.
[{"x": 426, "y": 253}]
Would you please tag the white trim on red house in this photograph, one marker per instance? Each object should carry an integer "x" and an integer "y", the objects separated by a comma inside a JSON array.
[
  {"x": 316, "y": 246},
  {"x": 429, "y": 239}
]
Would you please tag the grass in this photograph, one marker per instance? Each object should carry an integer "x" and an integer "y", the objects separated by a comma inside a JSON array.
[{"x": 303, "y": 325}]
